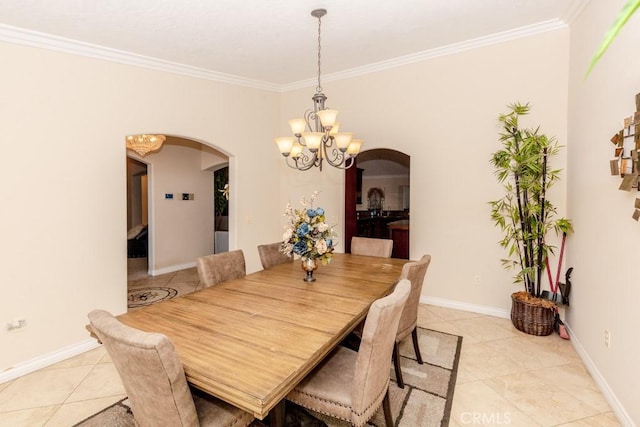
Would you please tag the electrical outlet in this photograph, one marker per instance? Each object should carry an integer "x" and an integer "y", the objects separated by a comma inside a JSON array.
[
  {"x": 607, "y": 338},
  {"x": 17, "y": 324},
  {"x": 477, "y": 280}
]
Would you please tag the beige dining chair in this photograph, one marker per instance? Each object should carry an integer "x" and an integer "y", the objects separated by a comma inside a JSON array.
[
  {"x": 270, "y": 255},
  {"x": 351, "y": 385},
  {"x": 371, "y": 247},
  {"x": 414, "y": 272},
  {"x": 154, "y": 379},
  {"x": 218, "y": 268}
]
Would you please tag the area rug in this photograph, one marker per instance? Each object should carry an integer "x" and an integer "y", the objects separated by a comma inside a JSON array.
[
  {"x": 139, "y": 297},
  {"x": 425, "y": 400}
]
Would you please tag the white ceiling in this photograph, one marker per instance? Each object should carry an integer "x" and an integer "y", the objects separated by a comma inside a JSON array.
[{"x": 275, "y": 41}]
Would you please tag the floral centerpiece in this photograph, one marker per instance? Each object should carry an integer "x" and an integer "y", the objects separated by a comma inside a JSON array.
[{"x": 307, "y": 236}]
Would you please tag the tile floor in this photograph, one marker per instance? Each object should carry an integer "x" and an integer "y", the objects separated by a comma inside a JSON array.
[{"x": 505, "y": 377}]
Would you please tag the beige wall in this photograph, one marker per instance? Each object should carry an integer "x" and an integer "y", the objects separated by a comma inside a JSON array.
[
  {"x": 443, "y": 113},
  {"x": 604, "y": 250},
  {"x": 62, "y": 237}
]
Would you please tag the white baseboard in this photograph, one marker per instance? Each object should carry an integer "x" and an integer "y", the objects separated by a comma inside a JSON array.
[
  {"x": 464, "y": 306},
  {"x": 40, "y": 362},
  {"x": 616, "y": 406},
  {"x": 171, "y": 268}
]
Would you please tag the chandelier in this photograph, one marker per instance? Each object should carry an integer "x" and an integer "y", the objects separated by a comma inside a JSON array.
[
  {"x": 316, "y": 137},
  {"x": 142, "y": 144}
]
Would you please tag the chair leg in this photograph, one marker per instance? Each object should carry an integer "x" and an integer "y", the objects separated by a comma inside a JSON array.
[
  {"x": 386, "y": 407},
  {"x": 416, "y": 347},
  {"x": 396, "y": 364}
]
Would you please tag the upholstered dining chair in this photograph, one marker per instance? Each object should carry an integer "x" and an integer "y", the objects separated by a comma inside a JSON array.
[
  {"x": 351, "y": 385},
  {"x": 154, "y": 379},
  {"x": 218, "y": 268},
  {"x": 371, "y": 247},
  {"x": 270, "y": 255},
  {"x": 414, "y": 272}
]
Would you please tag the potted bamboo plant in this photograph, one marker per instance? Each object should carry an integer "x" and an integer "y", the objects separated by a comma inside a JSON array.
[{"x": 526, "y": 216}]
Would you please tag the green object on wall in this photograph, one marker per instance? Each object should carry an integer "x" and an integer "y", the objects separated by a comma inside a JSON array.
[{"x": 627, "y": 11}]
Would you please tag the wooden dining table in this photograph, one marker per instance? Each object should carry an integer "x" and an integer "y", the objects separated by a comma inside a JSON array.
[{"x": 250, "y": 341}]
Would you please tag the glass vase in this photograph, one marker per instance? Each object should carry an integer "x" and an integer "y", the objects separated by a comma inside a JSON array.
[{"x": 309, "y": 265}]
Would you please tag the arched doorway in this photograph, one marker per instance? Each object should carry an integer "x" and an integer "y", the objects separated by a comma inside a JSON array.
[
  {"x": 181, "y": 206},
  {"x": 377, "y": 202}
]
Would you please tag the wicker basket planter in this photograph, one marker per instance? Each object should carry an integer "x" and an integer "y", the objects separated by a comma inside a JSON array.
[{"x": 533, "y": 316}]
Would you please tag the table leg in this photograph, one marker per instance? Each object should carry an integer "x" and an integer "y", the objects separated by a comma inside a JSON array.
[{"x": 276, "y": 415}]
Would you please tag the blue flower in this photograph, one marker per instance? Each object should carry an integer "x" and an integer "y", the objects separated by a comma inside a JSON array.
[
  {"x": 319, "y": 211},
  {"x": 303, "y": 229},
  {"x": 311, "y": 213},
  {"x": 300, "y": 247},
  {"x": 329, "y": 242}
]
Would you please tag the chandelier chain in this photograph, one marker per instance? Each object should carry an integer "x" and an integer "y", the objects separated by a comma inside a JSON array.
[{"x": 319, "y": 88}]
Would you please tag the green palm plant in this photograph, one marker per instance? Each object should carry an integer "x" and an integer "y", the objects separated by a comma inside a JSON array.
[
  {"x": 623, "y": 16},
  {"x": 524, "y": 213}
]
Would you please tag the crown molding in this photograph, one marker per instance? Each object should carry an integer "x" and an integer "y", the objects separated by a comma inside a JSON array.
[
  {"x": 574, "y": 10},
  {"x": 530, "y": 30},
  {"x": 47, "y": 41}
]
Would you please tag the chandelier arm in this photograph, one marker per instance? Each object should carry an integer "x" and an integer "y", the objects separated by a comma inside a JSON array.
[
  {"x": 350, "y": 162},
  {"x": 305, "y": 163},
  {"x": 337, "y": 158},
  {"x": 310, "y": 116}
]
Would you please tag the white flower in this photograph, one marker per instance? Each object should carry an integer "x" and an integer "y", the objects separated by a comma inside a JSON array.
[
  {"x": 322, "y": 227},
  {"x": 287, "y": 234},
  {"x": 288, "y": 211},
  {"x": 321, "y": 246}
]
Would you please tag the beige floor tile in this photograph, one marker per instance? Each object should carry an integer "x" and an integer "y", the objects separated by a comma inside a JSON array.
[
  {"x": 503, "y": 323},
  {"x": 89, "y": 358},
  {"x": 5, "y": 385},
  {"x": 106, "y": 358},
  {"x": 575, "y": 380},
  {"x": 72, "y": 413},
  {"x": 449, "y": 314},
  {"x": 477, "y": 404},
  {"x": 542, "y": 400},
  {"x": 188, "y": 275},
  {"x": 28, "y": 417},
  {"x": 483, "y": 329},
  {"x": 528, "y": 354},
  {"x": 602, "y": 420},
  {"x": 102, "y": 381},
  {"x": 42, "y": 388},
  {"x": 447, "y": 328},
  {"x": 185, "y": 287},
  {"x": 481, "y": 361},
  {"x": 465, "y": 376},
  {"x": 558, "y": 345},
  {"x": 160, "y": 280}
]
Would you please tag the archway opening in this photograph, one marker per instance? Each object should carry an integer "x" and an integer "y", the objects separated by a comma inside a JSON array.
[{"x": 377, "y": 201}]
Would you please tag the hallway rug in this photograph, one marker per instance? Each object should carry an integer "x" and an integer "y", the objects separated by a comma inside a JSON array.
[
  {"x": 425, "y": 400},
  {"x": 139, "y": 297}
]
